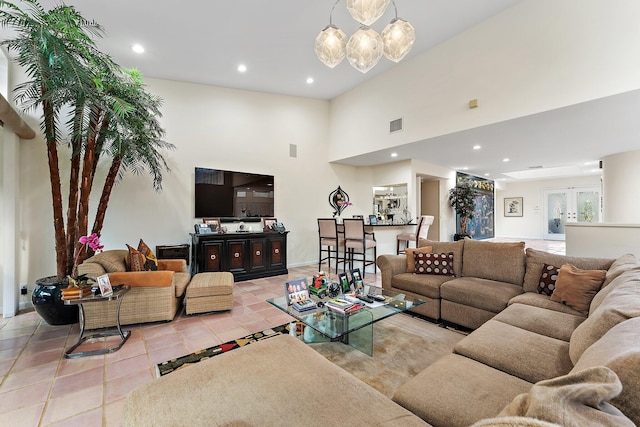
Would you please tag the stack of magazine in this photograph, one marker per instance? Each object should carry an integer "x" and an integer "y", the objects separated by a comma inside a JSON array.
[{"x": 342, "y": 306}]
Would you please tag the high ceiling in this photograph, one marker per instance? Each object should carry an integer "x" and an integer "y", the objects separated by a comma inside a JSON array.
[{"x": 204, "y": 42}]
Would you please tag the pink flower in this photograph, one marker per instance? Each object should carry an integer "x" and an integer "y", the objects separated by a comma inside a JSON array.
[{"x": 93, "y": 241}]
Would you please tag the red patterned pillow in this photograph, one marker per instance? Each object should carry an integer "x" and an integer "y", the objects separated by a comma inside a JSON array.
[
  {"x": 547, "y": 282},
  {"x": 440, "y": 264}
]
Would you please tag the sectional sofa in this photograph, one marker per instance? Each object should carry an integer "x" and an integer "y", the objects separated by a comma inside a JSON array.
[{"x": 531, "y": 361}]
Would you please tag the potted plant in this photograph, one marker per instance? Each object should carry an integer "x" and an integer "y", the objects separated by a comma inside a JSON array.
[
  {"x": 90, "y": 110},
  {"x": 462, "y": 199}
]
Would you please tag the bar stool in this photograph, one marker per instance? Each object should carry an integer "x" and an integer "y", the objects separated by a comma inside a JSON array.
[
  {"x": 329, "y": 241},
  {"x": 357, "y": 242},
  {"x": 422, "y": 231}
]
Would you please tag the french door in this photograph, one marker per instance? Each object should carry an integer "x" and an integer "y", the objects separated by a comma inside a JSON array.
[{"x": 569, "y": 205}]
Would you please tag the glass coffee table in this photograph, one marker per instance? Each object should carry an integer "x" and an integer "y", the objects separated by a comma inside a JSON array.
[{"x": 354, "y": 329}]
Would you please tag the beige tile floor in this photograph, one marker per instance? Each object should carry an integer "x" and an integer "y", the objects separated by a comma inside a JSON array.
[{"x": 39, "y": 387}]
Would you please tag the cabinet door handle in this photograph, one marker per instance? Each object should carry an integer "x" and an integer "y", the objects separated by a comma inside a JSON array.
[
  {"x": 257, "y": 253},
  {"x": 213, "y": 257},
  {"x": 236, "y": 255},
  {"x": 277, "y": 251}
]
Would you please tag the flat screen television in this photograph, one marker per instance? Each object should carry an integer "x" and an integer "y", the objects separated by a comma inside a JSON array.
[{"x": 230, "y": 194}]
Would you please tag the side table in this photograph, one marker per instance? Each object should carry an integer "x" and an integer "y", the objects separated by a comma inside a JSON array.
[{"x": 124, "y": 335}]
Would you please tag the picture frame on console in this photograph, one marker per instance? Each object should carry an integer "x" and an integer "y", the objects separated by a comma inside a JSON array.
[
  {"x": 213, "y": 223},
  {"x": 513, "y": 206},
  {"x": 268, "y": 223}
]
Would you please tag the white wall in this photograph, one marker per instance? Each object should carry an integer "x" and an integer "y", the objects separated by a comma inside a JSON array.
[
  {"x": 531, "y": 224},
  {"x": 603, "y": 240},
  {"x": 211, "y": 127},
  {"x": 621, "y": 175},
  {"x": 535, "y": 56}
]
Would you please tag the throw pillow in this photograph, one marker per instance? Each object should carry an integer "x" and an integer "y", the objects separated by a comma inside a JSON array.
[
  {"x": 151, "y": 262},
  {"x": 439, "y": 264},
  {"x": 411, "y": 262},
  {"x": 576, "y": 288},
  {"x": 547, "y": 282},
  {"x": 135, "y": 260}
]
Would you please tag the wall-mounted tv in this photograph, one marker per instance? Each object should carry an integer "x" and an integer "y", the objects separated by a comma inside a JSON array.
[{"x": 231, "y": 194}]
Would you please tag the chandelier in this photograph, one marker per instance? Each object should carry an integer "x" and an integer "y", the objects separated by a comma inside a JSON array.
[{"x": 365, "y": 47}]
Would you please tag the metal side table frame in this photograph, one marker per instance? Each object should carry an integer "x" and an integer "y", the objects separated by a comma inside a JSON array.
[{"x": 124, "y": 335}]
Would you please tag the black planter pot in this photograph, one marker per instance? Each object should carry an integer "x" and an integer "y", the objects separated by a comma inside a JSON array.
[
  {"x": 459, "y": 236},
  {"x": 47, "y": 300}
]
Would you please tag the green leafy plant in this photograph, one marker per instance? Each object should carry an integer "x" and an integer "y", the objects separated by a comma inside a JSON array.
[
  {"x": 462, "y": 199},
  {"x": 91, "y": 110}
]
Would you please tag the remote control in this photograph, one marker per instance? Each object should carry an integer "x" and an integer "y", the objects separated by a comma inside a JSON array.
[
  {"x": 380, "y": 298},
  {"x": 365, "y": 298}
]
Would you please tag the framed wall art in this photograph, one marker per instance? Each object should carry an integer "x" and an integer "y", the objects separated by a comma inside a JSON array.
[{"x": 513, "y": 206}]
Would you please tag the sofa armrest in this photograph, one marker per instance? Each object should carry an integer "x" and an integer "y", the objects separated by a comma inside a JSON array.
[
  {"x": 142, "y": 278},
  {"x": 91, "y": 269},
  {"x": 389, "y": 266},
  {"x": 176, "y": 265}
]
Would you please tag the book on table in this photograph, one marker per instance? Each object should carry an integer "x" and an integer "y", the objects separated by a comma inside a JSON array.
[
  {"x": 304, "y": 305},
  {"x": 342, "y": 306}
]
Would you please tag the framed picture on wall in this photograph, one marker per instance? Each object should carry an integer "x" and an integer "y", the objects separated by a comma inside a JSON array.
[{"x": 513, "y": 206}]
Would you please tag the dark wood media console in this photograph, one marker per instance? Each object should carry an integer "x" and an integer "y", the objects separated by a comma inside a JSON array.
[{"x": 246, "y": 255}]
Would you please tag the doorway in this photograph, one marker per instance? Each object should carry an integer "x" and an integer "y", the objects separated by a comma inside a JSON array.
[
  {"x": 430, "y": 205},
  {"x": 569, "y": 205}
]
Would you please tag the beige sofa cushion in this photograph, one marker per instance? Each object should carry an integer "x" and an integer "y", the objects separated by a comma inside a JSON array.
[
  {"x": 576, "y": 400},
  {"x": 550, "y": 323},
  {"x": 421, "y": 284},
  {"x": 444, "y": 248},
  {"x": 504, "y": 262},
  {"x": 620, "y": 265},
  {"x": 535, "y": 260},
  {"x": 622, "y": 303},
  {"x": 277, "y": 381},
  {"x": 619, "y": 350},
  {"x": 112, "y": 260},
  {"x": 622, "y": 270},
  {"x": 543, "y": 301},
  {"x": 514, "y": 422},
  {"x": 524, "y": 354},
  {"x": 439, "y": 394},
  {"x": 484, "y": 294}
]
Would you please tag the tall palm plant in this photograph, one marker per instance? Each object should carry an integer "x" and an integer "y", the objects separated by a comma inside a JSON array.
[{"x": 88, "y": 103}]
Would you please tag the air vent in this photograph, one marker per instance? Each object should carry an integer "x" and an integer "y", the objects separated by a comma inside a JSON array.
[
  {"x": 536, "y": 167},
  {"x": 293, "y": 150},
  {"x": 395, "y": 125}
]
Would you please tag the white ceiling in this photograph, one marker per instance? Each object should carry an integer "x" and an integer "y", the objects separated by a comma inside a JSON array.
[{"x": 204, "y": 41}]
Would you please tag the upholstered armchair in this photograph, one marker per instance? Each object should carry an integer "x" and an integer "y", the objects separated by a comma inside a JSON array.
[{"x": 154, "y": 295}]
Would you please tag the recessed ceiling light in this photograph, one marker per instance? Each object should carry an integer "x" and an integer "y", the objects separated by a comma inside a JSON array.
[
  {"x": 242, "y": 68},
  {"x": 506, "y": 159},
  {"x": 309, "y": 80},
  {"x": 465, "y": 168},
  {"x": 487, "y": 174},
  {"x": 394, "y": 154},
  {"x": 477, "y": 147},
  {"x": 137, "y": 48}
]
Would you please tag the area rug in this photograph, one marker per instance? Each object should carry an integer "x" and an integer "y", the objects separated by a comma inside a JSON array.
[
  {"x": 403, "y": 347},
  {"x": 184, "y": 361}
]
